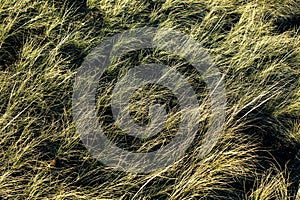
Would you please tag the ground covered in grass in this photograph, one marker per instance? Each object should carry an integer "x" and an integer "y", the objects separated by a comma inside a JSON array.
[{"x": 255, "y": 44}]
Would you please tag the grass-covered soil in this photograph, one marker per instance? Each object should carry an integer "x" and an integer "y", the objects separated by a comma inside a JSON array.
[{"x": 255, "y": 44}]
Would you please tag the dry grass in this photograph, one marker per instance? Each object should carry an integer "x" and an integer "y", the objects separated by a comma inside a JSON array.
[{"x": 256, "y": 44}]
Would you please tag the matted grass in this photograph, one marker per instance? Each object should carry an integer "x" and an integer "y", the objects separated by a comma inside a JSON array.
[{"x": 256, "y": 44}]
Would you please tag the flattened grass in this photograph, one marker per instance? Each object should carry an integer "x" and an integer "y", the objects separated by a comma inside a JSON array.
[{"x": 254, "y": 43}]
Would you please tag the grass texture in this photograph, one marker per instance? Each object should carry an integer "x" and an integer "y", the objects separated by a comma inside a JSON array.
[{"x": 255, "y": 44}]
